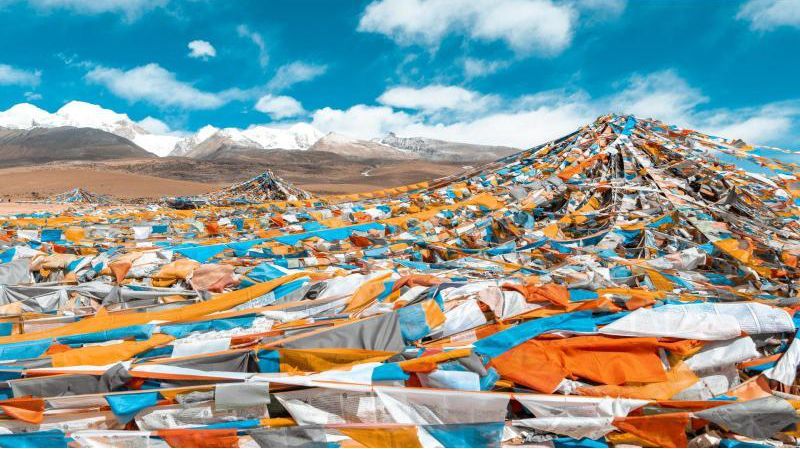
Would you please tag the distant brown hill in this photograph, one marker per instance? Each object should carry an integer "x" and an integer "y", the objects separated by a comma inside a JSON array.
[{"x": 40, "y": 145}]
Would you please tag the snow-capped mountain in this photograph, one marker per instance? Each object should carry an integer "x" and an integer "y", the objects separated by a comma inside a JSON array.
[
  {"x": 442, "y": 150},
  {"x": 79, "y": 114},
  {"x": 160, "y": 142},
  {"x": 297, "y": 137},
  {"x": 187, "y": 144},
  {"x": 360, "y": 149},
  {"x": 26, "y": 116},
  {"x": 210, "y": 140},
  {"x": 64, "y": 143}
]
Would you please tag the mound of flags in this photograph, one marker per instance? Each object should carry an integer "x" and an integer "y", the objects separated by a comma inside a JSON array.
[{"x": 625, "y": 285}]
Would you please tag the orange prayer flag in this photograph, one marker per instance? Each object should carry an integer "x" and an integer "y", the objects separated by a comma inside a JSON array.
[
  {"x": 679, "y": 378},
  {"x": 108, "y": 354},
  {"x": 316, "y": 360},
  {"x": 542, "y": 364},
  {"x": 755, "y": 388},
  {"x": 28, "y": 409},
  {"x": 120, "y": 268},
  {"x": 427, "y": 363},
  {"x": 402, "y": 436},
  {"x": 200, "y": 437},
  {"x": 366, "y": 293},
  {"x": 667, "y": 430}
]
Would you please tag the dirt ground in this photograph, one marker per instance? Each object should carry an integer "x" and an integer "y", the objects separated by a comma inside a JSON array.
[
  {"x": 151, "y": 179},
  {"x": 15, "y": 207},
  {"x": 32, "y": 183}
]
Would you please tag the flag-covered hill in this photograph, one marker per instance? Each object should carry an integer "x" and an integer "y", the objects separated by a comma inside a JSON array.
[
  {"x": 618, "y": 286},
  {"x": 80, "y": 196},
  {"x": 259, "y": 189}
]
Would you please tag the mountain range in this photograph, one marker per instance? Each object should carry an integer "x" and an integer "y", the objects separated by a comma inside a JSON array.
[
  {"x": 29, "y": 133},
  {"x": 64, "y": 143}
]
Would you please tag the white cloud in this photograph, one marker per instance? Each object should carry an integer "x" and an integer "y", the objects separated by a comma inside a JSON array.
[
  {"x": 533, "y": 119},
  {"x": 520, "y": 129},
  {"x": 279, "y": 107},
  {"x": 12, "y": 76},
  {"x": 295, "y": 72},
  {"x": 478, "y": 68},
  {"x": 771, "y": 123},
  {"x": 154, "y": 125},
  {"x": 154, "y": 84},
  {"x": 757, "y": 128},
  {"x": 256, "y": 38},
  {"x": 433, "y": 98},
  {"x": 662, "y": 95},
  {"x": 530, "y": 125},
  {"x": 201, "y": 49},
  {"x": 131, "y": 9},
  {"x": 526, "y": 26},
  {"x": 765, "y": 15},
  {"x": 667, "y": 97},
  {"x": 360, "y": 120},
  {"x": 515, "y": 128}
]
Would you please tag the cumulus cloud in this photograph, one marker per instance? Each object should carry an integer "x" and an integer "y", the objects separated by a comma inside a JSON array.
[
  {"x": 361, "y": 120},
  {"x": 434, "y": 98},
  {"x": 663, "y": 95},
  {"x": 526, "y": 26},
  {"x": 256, "y": 38},
  {"x": 131, "y": 9},
  {"x": 13, "y": 76},
  {"x": 666, "y": 96},
  {"x": 293, "y": 73},
  {"x": 766, "y": 15},
  {"x": 154, "y": 126},
  {"x": 512, "y": 127},
  {"x": 201, "y": 49},
  {"x": 770, "y": 123},
  {"x": 533, "y": 119},
  {"x": 154, "y": 84},
  {"x": 279, "y": 107},
  {"x": 758, "y": 128},
  {"x": 520, "y": 129}
]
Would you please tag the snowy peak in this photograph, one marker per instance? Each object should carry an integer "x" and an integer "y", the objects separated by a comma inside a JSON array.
[
  {"x": 24, "y": 116},
  {"x": 333, "y": 137},
  {"x": 305, "y": 134},
  {"x": 87, "y": 115},
  {"x": 205, "y": 132},
  {"x": 79, "y": 114},
  {"x": 350, "y": 147},
  {"x": 187, "y": 144},
  {"x": 210, "y": 140},
  {"x": 153, "y": 135},
  {"x": 297, "y": 137},
  {"x": 442, "y": 150}
]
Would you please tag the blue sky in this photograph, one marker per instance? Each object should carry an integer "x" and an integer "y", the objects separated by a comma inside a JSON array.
[{"x": 512, "y": 72}]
